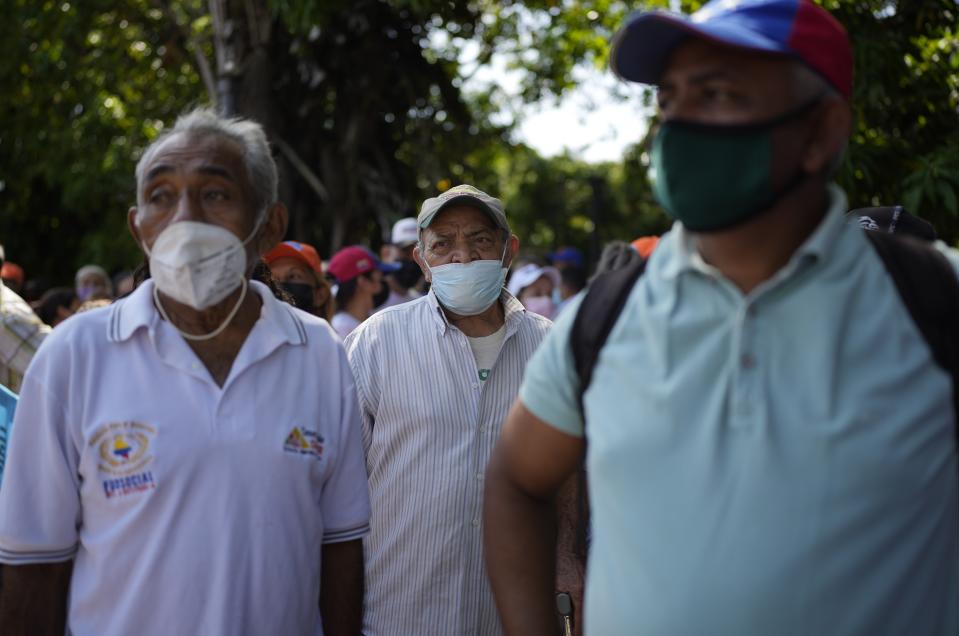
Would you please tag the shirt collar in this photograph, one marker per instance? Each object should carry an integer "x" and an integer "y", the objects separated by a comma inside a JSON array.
[
  {"x": 682, "y": 255},
  {"x": 513, "y": 310},
  {"x": 137, "y": 310}
]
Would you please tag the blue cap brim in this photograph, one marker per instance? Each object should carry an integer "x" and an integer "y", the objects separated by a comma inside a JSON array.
[
  {"x": 641, "y": 49},
  {"x": 386, "y": 268}
]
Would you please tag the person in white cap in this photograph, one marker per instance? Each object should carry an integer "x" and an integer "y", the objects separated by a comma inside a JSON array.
[
  {"x": 533, "y": 285},
  {"x": 188, "y": 460},
  {"x": 399, "y": 251},
  {"x": 435, "y": 377}
]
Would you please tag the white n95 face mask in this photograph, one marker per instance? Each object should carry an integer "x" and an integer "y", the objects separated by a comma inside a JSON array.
[
  {"x": 198, "y": 264},
  {"x": 469, "y": 289}
]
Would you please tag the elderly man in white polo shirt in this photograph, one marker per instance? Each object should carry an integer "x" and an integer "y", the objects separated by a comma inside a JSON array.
[
  {"x": 192, "y": 452},
  {"x": 435, "y": 377}
]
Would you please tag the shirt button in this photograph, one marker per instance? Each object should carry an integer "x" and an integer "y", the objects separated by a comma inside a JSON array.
[
  {"x": 475, "y": 523},
  {"x": 482, "y": 429},
  {"x": 479, "y": 476},
  {"x": 747, "y": 360}
]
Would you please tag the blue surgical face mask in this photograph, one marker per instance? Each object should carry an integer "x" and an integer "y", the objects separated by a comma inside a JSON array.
[{"x": 468, "y": 289}]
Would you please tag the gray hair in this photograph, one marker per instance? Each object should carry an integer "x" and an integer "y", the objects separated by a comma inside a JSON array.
[{"x": 261, "y": 169}]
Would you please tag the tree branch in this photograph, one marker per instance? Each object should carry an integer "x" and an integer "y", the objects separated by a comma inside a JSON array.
[{"x": 308, "y": 175}]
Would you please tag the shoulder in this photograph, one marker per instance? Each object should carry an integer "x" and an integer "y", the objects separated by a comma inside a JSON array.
[
  {"x": 90, "y": 327},
  {"x": 81, "y": 337},
  {"x": 403, "y": 320}
]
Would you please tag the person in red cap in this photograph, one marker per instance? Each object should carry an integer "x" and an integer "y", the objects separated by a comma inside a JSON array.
[
  {"x": 12, "y": 275},
  {"x": 360, "y": 286},
  {"x": 771, "y": 442},
  {"x": 298, "y": 270}
]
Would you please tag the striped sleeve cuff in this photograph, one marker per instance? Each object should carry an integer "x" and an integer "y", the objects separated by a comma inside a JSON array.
[
  {"x": 47, "y": 556},
  {"x": 339, "y": 535}
]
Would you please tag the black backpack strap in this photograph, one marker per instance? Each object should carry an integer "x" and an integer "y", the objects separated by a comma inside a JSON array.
[
  {"x": 929, "y": 288},
  {"x": 599, "y": 311}
]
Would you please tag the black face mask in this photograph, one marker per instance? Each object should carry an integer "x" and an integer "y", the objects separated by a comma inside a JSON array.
[
  {"x": 384, "y": 293},
  {"x": 302, "y": 294},
  {"x": 408, "y": 274}
]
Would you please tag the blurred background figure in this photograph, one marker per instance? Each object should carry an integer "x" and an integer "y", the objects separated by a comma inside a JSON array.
[
  {"x": 56, "y": 305},
  {"x": 399, "y": 251},
  {"x": 573, "y": 275},
  {"x": 93, "y": 283},
  {"x": 533, "y": 286},
  {"x": 21, "y": 332},
  {"x": 122, "y": 283},
  {"x": 360, "y": 288},
  {"x": 298, "y": 271},
  {"x": 644, "y": 245},
  {"x": 565, "y": 257},
  {"x": 12, "y": 275}
]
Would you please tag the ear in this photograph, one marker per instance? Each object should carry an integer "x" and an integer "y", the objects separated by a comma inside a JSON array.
[
  {"x": 132, "y": 226},
  {"x": 829, "y": 137},
  {"x": 512, "y": 250},
  {"x": 273, "y": 229},
  {"x": 421, "y": 261}
]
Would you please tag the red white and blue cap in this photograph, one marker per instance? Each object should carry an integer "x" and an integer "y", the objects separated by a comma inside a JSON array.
[{"x": 796, "y": 28}]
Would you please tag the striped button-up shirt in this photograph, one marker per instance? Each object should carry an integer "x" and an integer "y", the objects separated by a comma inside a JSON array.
[
  {"x": 429, "y": 427},
  {"x": 21, "y": 333}
]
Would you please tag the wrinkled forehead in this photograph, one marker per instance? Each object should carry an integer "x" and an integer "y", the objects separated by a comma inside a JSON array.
[
  {"x": 461, "y": 218},
  {"x": 193, "y": 151}
]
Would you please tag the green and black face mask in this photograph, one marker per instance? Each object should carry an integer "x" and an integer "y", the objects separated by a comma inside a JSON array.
[{"x": 714, "y": 177}]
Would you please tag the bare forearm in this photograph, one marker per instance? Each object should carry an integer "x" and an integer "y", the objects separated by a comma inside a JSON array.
[
  {"x": 33, "y": 599},
  {"x": 341, "y": 588},
  {"x": 520, "y": 541}
]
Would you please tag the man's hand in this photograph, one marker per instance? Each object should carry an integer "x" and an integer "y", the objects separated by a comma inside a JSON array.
[
  {"x": 33, "y": 599},
  {"x": 341, "y": 588},
  {"x": 530, "y": 463}
]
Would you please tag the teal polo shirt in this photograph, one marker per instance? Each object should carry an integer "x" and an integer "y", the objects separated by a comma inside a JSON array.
[{"x": 777, "y": 463}]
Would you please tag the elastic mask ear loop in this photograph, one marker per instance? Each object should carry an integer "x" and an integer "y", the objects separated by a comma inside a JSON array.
[{"x": 206, "y": 336}]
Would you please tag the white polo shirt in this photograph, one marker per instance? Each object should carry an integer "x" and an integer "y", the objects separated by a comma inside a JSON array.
[{"x": 188, "y": 508}]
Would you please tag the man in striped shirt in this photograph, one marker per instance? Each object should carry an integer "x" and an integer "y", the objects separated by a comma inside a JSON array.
[
  {"x": 21, "y": 333},
  {"x": 435, "y": 378}
]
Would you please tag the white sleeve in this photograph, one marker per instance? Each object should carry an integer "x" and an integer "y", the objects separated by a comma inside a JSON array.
[
  {"x": 40, "y": 508},
  {"x": 346, "y": 497}
]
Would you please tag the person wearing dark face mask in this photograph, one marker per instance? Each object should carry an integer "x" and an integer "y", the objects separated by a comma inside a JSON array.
[
  {"x": 360, "y": 288},
  {"x": 298, "y": 270},
  {"x": 771, "y": 440},
  {"x": 399, "y": 251}
]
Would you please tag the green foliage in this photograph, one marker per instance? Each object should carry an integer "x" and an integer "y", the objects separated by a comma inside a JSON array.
[
  {"x": 85, "y": 86},
  {"x": 905, "y": 146}
]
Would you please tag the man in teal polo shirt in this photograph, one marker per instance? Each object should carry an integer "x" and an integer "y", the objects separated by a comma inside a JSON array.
[{"x": 771, "y": 445}]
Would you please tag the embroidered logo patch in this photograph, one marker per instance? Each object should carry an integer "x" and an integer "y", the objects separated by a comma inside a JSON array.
[
  {"x": 124, "y": 455},
  {"x": 304, "y": 442}
]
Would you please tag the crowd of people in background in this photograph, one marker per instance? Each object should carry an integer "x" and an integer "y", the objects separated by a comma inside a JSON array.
[
  {"x": 345, "y": 290},
  {"x": 243, "y": 438}
]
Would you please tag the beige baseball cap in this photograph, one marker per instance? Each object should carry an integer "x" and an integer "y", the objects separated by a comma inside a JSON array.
[{"x": 463, "y": 194}]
